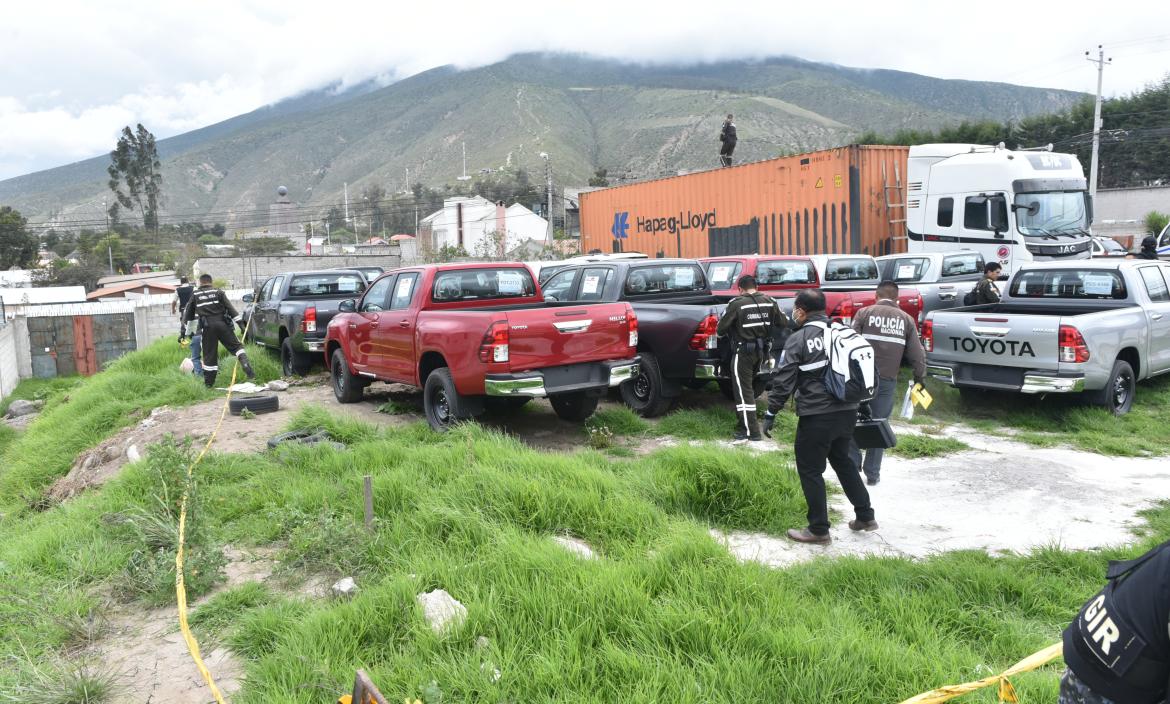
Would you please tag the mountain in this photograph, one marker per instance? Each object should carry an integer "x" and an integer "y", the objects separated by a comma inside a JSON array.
[{"x": 637, "y": 121}]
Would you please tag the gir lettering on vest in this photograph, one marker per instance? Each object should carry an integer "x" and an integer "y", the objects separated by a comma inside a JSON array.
[{"x": 1104, "y": 632}]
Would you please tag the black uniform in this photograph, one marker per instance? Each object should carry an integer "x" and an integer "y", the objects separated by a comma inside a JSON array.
[
  {"x": 727, "y": 137},
  {"x": 216, "y": 316},
  {"x": 748, "y": 323},
  {"x": 824, "y": 432},
  {"x": 986, "y": 292},
  {"x": 1149, "y": 249},
  {"x": 1118, "y": 648}
]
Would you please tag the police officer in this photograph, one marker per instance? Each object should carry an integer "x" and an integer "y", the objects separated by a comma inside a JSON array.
[
  {"x": 748, "y": 322},
  {"x": 893, "y": 334},
  {"x": 182, "y": 297},
  {"x": 1149, "y": 248},
  {"x": 215, "y": 313},
  {"x": 986, "y": 291},
  {"x": 824, "y": 431},
  {"x": 1118, "y": 648},
  {"x": 728, "y": 139}
]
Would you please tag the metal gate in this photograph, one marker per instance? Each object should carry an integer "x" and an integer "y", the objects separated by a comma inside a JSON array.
[{"x": 80, "y": 344}]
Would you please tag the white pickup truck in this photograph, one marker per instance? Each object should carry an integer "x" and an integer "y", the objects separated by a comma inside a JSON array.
[{"x": 1092, "y": 326}]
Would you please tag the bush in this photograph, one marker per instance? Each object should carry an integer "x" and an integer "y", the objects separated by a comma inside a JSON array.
[{"x": 1156, "y": 222}]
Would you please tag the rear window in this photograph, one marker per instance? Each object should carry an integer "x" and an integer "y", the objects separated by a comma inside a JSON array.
[
  {"x": 665, "y": 278},
  {"x": 786, "y": 272},
  {"x": 482, "y": 284},
  {"x": 962, "y": 264},
  {"x": 1082, "y": 284},
  {"x": 327, "y": 284},
  {"x": 909, "y": 269},
  {"x": 850, "y": 270},
  {"x": 723, "y": 275}
]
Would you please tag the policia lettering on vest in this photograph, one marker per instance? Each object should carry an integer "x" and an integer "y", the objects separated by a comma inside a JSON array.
[
  {"x": 216, "y": 315},
  {"x": 748, "y": 323},
  {"x": 1118, "y": 648}
]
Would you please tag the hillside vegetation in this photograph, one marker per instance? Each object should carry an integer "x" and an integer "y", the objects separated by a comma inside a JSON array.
[{"x": 636, "y": 121}]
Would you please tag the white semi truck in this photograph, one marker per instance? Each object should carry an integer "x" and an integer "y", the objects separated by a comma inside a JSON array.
[{"x": 1013, "y": 207}]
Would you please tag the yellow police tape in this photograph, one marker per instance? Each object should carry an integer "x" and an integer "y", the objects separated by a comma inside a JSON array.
[
  {"x": 180, "y": 583},
  {"x": 1007, "y": 693}
]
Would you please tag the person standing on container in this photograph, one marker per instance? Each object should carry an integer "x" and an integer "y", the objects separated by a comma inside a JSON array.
[{"x": 728, "y": 138}]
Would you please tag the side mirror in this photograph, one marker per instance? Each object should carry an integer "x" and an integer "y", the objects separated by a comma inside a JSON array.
[
  {"x": 1089, "y": 208},
  {"x": 248, "y": 298},
  {"x": 998, "y": 215},
  {"x": 549, "y": 298},
  {"x": 347, "y": 306}
]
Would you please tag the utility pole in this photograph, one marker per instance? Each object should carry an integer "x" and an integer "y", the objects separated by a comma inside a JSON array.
[
  {"x": 347, "y": 220},
  {"x": 464, "y": 177},
  {"x": 1101, "y": 62},
  {"x": 109, "y": 251},
  {"x": 548, "y": 186}
]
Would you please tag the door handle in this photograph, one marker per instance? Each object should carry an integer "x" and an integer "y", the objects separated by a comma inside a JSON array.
[
  {"x": 373, "y": 323},
  {"x": 947, "y": 296},
  {"x": 403, "y": 323},
  {"x": 1156, "y": 316}
]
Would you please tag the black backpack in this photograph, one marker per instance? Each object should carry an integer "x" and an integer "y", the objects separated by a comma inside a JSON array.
[{"x": 971, "y": 297}]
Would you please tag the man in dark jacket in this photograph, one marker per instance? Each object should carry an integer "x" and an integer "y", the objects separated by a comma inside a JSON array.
[
  {"x": 1149, "y": 248},
  {"x": 216, "y": 314},
  {"x": 986, "y": 291},
  {"x": 824, "y": 431},
  {"x": 728, "y": 138},
  {"x": 182, "y": 297},
  {"x": 893, "y": 334},
  {"x": 1118, "y": 648},
  {"x": 748, "y": 323}
]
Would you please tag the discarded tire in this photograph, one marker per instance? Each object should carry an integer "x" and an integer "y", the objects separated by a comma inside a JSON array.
[{"x": 254, "y": 404}]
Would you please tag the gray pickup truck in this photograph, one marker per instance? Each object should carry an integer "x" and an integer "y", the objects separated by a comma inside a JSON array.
[
  {"x": 290, "y": 313},
  {"x": 1091, "y": 326},
  {"x": 942, "y": 278}
]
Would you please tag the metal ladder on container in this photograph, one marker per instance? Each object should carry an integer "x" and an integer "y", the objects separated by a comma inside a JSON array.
[{"x": 897, "y": 226}]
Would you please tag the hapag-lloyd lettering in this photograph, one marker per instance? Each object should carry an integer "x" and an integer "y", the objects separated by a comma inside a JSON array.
[
  {"x": 674, "y": 224},
  {"x": 1014, "y": 348}
]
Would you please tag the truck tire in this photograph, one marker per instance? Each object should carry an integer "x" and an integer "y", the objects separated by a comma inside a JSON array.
[
  {"x": 253, "y": 404},
  {"x": 644, "y": 393},
  {"x": 728, "y": 390},
  {"x": 1117, "y": 396},
  {"x": 575, "y": 406},
  {"x": 292, "y": 362},
  {"x": 347, "y": 387},
  {"x": 442, "y": 403}
]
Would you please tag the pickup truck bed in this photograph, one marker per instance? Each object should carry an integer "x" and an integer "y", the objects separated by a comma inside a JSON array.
[{"x": 1086, "y": 326}]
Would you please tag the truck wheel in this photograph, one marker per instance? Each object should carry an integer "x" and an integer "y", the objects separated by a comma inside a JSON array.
[
  {"x": 643, "y": 393},
  {"x": 1117, "y": 396},
  {"x": 442, "y": 404},
  {"x": 575, "y": 406},
  {"x": 292, "y": 362},
  {"x": 727, "y": 388},
  {"x": 347, "y": 387}
]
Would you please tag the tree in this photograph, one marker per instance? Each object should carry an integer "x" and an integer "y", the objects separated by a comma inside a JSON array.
[
  {"x": 334, "y": 220},
  {"x": 136, "y": 176},
  {"x": 599, "y": 178},
  {"x": 18, "y": 247},
  {"x": 62, "y": 273},
  {"x": 374, "y": 202}
]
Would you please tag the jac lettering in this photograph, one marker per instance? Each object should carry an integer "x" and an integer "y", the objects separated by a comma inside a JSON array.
[{"x": 1014, "y": 348}]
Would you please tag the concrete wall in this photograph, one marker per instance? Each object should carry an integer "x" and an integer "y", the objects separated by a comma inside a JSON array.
[
  {"x": 9, "y": 365},
  {"x": 1130, "y": 203},
  {"x": 250, "y": 272}
]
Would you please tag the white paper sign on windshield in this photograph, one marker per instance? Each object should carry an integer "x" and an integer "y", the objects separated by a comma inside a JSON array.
[
  {"x": 721, "y": 273},
  {"x": 684, "y": 276},
  {"x": 510, "y": 282},
  {"x": 797, "y": 272},
  {"x": 589, "y": 285},
  {"x": 1098, "y": 285},
  {"x": 906, "y": 271},
  {"x": 404, "y": 285}
]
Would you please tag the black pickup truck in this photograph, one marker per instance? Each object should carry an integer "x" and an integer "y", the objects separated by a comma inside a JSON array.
[
  {"x": 291, "y": 311},
  {"x": 677, "y": 320}
]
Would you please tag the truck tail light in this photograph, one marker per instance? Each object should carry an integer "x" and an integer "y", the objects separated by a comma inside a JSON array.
[
  {"x": 632, "y": 325},
  {"x": 1072, "y": 345},
  {"x": 928, "y": 336},
  {"x": 494, "y": 347},
  {"x": 309, "y": 322},
  {"x": 843, "y": 311},
  {"x": 705, "y": 336}
]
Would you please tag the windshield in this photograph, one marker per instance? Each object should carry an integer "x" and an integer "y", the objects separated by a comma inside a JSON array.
[
  {"x": 786, "y": 271},
  {"x": 480, "y": 284},
  {"x": 1049, "y": 214},
  {"x": 850, "y": 270},
  {"x": 665, "y": 278},
  {"x": 723, "y": 275},
  {"x": 1069, "y": 283}
]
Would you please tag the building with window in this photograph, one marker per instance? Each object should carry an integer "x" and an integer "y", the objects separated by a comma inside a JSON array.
[{"x": 480, "y": 228}]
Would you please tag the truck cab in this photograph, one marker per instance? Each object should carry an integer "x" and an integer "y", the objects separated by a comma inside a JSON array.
[{"x": 1012, "y": 207}]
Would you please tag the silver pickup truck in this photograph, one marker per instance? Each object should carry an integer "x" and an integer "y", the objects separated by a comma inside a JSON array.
[
  {"x": 942, "y": 278},
  {"x": 1092, "y": 326}
]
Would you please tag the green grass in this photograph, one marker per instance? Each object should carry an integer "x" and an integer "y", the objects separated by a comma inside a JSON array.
[
  {"x": 88, "y": 413},
  {"x": 664, "y": 614},
  {"x": 7, "y": 436},
  {"x": 916, "y": 446},
  {"x": 39, "y": 390},
  {"x": 620, "y": 421}
]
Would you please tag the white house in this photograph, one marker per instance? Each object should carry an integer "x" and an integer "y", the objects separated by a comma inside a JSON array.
[{"x": 474, "y": 223}]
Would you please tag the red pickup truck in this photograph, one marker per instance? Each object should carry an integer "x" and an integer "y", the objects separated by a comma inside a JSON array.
[
  {"x": 847, "y": 280},
  {"x": 479, "y": 337}
]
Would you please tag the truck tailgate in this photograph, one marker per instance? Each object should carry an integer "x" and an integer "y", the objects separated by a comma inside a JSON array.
[
  {"x": 996, "y": 339},
  {"x": 553, "y": 336}
]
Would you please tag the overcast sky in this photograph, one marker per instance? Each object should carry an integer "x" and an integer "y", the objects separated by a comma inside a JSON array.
[{"x": 73, "y": 72}]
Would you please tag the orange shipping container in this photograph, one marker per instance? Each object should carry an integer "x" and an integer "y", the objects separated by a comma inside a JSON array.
[{"x": 831, "y": 201}]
